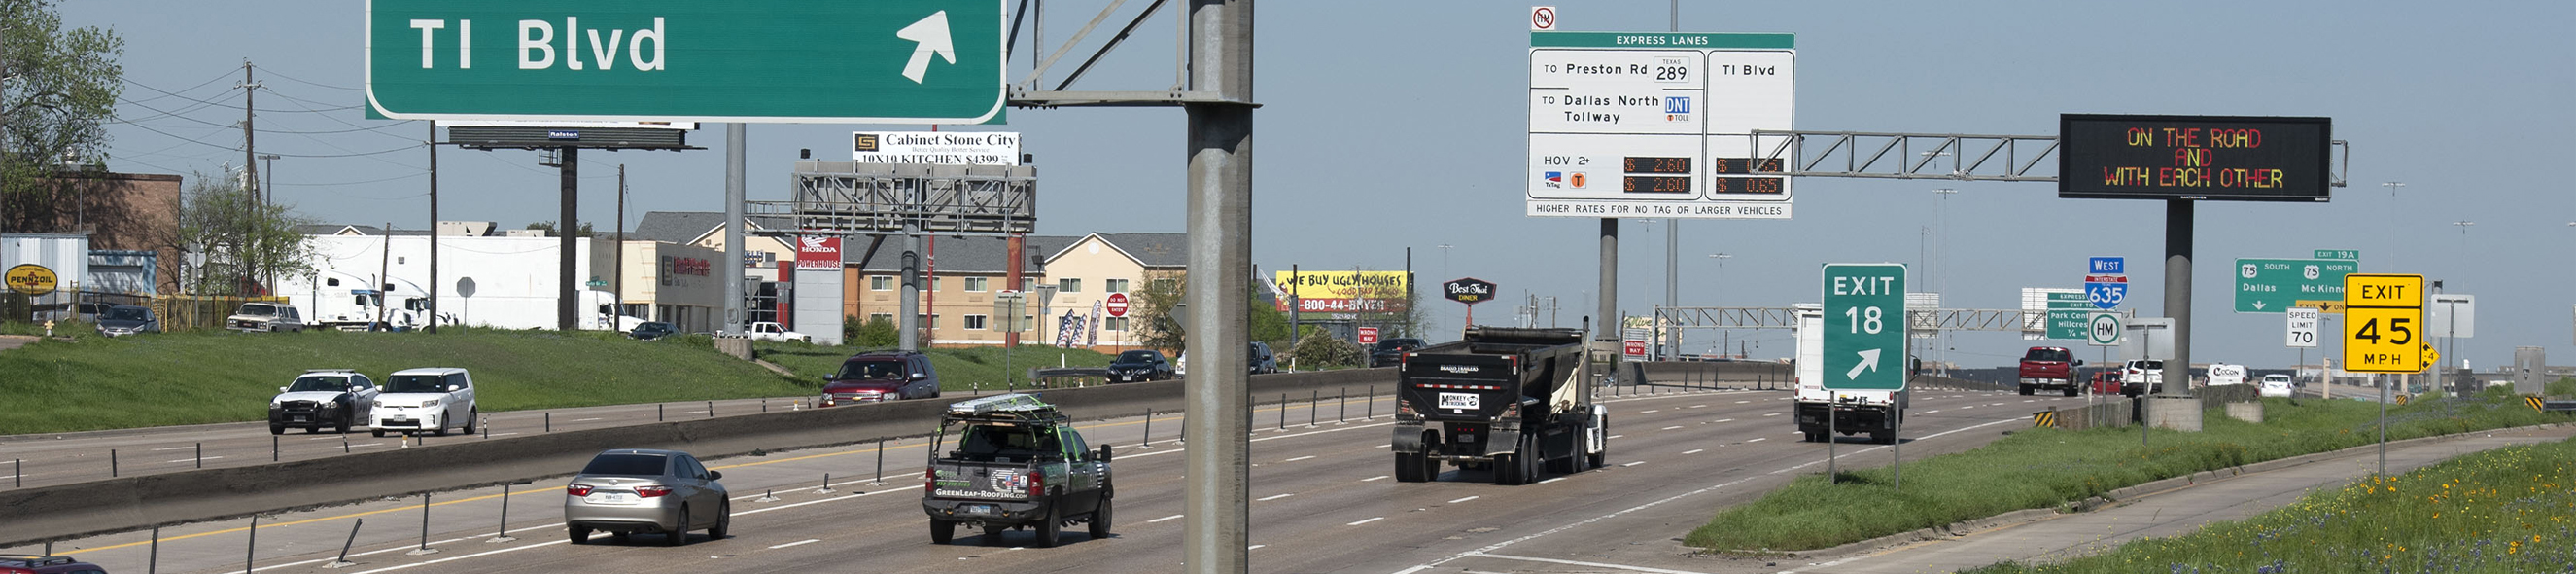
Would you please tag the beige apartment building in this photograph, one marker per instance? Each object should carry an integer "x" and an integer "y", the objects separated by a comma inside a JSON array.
[{"x": 964, "y": 273}]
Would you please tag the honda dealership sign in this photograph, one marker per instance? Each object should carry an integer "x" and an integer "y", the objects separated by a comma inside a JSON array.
[{"x": 816, "y": 252}]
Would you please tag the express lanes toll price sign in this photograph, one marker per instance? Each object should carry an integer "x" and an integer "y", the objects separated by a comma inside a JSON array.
[
  {"x": 2236, "y": 158},
  {"x": 2383, "y": 323},
  {"x": 1657, "y": 124}
]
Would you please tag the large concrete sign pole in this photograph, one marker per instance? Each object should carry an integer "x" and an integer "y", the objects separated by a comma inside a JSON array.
[
  {"x": 907, "y": 320},
  {"x": 733, "y": 305},
  {"x": 2178, "y": 213},
  {"x": 1218, "y": 505},
  {"x": 567, "y": 284},
  {"x": 1606, "y": 328}
]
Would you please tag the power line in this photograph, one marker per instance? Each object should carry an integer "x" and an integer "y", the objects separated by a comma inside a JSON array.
[
  {"x": 273, "y": 72},
  {"x": 394, "y": 178},
  {"x": 165, "y": 93}
]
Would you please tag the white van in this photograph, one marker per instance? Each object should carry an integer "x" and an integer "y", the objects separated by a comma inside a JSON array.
[{"x": 426, "y": 400}]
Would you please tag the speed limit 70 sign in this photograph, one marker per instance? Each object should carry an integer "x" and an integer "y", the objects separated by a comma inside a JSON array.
[
  {"x": 2383, "y": 323},
  {"x": 2303, "y": 326}
]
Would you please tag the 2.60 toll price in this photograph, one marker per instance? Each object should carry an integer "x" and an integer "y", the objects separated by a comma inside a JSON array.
[{"x": 1656, "y": 184}]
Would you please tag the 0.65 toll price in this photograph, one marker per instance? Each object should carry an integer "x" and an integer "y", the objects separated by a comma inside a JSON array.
[{"x": 1763, "y": 185}]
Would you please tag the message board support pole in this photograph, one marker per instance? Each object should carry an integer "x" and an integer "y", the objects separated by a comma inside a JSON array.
[
  {"x": 567, "y": 288},
  {"x": 1217, "y": 497},
  {"x": 732, "y": 265},
  {"x": 2178, "y": 219}
]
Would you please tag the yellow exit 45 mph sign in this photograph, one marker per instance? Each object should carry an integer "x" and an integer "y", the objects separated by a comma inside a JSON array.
[{"x": 2383, "y": 320}]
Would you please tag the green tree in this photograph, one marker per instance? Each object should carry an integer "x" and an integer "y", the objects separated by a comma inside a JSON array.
[
  {"x": 229, "y": 238},
  {"x": 58, "y": 88},
  {"x": 549, "y": 226},
  {"x": 875, "y": 333},
  {"x": 1151, "y": 309},
  {"x": 1322, "y": 350}
]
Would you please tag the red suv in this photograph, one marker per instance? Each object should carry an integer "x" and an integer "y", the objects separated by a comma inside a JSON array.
[
  {"x": 31, "y": 564},
  {"x": 879, "y": 376}
]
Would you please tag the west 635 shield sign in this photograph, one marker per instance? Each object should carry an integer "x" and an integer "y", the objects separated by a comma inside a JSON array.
[{"x": 1469, "y": 290}]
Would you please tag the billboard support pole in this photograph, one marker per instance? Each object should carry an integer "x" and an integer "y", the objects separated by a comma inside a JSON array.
[{"x": 2178, "y": 216}]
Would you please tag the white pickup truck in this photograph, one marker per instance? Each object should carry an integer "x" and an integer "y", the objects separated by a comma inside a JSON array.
[{"x": 772, "y": 331}]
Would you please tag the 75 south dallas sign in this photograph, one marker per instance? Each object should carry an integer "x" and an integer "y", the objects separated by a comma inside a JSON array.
[{"x": 898, "y": 61}]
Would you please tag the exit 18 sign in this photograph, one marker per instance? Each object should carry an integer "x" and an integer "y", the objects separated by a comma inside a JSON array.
[{"x": 1864, "y": 328}]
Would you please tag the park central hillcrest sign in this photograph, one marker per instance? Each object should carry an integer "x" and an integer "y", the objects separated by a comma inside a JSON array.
[{"x": 893, "y": 61}]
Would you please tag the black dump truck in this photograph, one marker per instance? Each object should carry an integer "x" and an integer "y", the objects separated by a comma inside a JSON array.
[
  {"x": 1510, "y": 400},
  {"x": 1014, "y": 461}
]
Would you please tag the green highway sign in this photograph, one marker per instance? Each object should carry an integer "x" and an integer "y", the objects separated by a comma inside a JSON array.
[
  {"x": 2069, "y": 315},
  {"x": 2353, "y": 254},
  {"x": 1864, "y": 328},
  {"x": 885, "y": 61},
  {"x": 2276, "y": 285}
]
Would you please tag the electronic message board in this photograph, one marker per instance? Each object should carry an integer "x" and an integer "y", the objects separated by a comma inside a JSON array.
[{"x": 2231, "y": 158}]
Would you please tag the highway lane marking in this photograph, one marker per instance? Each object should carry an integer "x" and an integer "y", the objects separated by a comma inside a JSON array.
[
  {"x": 1967, "y": 407},
  {"x": 1465, "y": 499},
  {"x": 1274, "y": 497},
  {"x": 1742, "y": 402},
  {"x": 1623, "y": 567},
  {"x": 1378, "y": 477},
  {"x": 191, "y": 460},
  {"x": 1758, "y": 439},
  {"x": 1698, "y": 406},
  {"x": 1299, "y": 458},
  {"x": 2030, "y": 400},
  {"x": 1670, "y": 427},
  {"x": 1172, "y": 517},
  {"x": 1613, "y": 436},
  {"x": 799, "y": 543},
  {"x": 173, "y": 448},
  {"x": 335, "y": 437},
  {"x": 1931, "y": 411},
  {"x": 1723, "y": 421},
  {"x": 1254, "y": 547},
  {"x": 1366, "y": 521},
  {"x": 404, "y": 546},
  {"x": 1649, "y": 412},
  {"x": 1771, "y": 414},
  {"x": 1551, "y": 480},
  {"x": 501, "y": 434},
  {"x": 1552, "y": 531},
  {"x": 1632, "y": 464},
  {"x": 585, "y": 420},
  {"x": 474, "y": 555},
  {"x": 1695, "y": 451}
]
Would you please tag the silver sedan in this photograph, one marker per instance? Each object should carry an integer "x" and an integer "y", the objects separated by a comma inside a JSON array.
[{"x": 627, "y": 491}]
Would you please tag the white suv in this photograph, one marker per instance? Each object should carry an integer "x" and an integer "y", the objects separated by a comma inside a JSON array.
[
  {"x": 2147, "y": 374},
  {"x": 426, "y": 400}
]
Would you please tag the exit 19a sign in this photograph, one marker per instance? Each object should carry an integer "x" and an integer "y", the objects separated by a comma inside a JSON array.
[
  {"x": 879, "y": 61},
  {"x": 1864, "y": 328}
]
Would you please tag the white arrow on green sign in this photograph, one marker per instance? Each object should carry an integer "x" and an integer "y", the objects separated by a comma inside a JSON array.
[
  {"x": 1864, "y": 328},
  {"x": 879, "y": 61},
  {"x": 2275, "y": 285}
]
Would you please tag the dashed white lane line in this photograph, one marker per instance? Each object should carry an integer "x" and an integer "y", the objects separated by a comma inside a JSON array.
[
  {"x": 797, "y": 543},
  {"x": 191, "y": 460},
  {"x": 1366, "y": 521},
  {"x": 1172, "y": 517},
  {"x": 1465, "y": 499},
  {"x": 1670, "y": 427},
  {"x": 1617, "y": 567},
  {"x": 585, "y": 420},
  {"x": 1694, "y": 451},
  {"x": 1771, "y": 414},
  {"x": 1742, "y": 402},
  {"x": 1551, "y": 480},
  {"x": 1613, "y": 436},
  {"x": 1723, "y": 421},
  {"x": 1967, "y": 407},
  {"x": 1299, "y": 458},
  {"x": 1759, "y": 439},
  {"x": 1931, "y": 411},
  {"x": 503, "y": 433},
  {"x": 1273, "y": 497},
  {"x": 1649, "y": 412},
  {"x": 1255, "y": 547},
  {"x": 1698, "y": 406},
  {"x": 1633, "y": 463},
  {"x": 1378, "y": 477},
  {"x": 173, "y": 448}
]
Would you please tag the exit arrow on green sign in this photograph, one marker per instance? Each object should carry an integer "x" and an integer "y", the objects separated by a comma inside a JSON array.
[
  {"x": 1864, "y": 326},
  {"x": 879, "y": 61}
]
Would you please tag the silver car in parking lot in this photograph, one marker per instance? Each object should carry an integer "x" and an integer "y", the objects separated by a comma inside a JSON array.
[{"x": 627, "y": 491}]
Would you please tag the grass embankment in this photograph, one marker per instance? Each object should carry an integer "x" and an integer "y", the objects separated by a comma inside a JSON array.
[
  {"x": 2046, "y": 468},
  {"x": 2508, "y": 510},
  {"x": 93, "y": 383},
  {"x": 960, "y": 369}
]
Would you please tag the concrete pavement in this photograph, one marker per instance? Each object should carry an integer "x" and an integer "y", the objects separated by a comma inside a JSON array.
[{"x": 2169, "y": 513}]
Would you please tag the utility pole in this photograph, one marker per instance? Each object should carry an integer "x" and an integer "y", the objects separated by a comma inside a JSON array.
[
  {"x": 618, "y": 250},
  {"x": 250, "y": 155},
  {"x": 433, "y": 226}
]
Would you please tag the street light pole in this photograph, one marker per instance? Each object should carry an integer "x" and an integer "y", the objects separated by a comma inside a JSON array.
[{"x": 1935, "y": 278}]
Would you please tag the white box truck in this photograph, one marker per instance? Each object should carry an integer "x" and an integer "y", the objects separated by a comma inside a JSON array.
[{"x": 1821, "y": 413}]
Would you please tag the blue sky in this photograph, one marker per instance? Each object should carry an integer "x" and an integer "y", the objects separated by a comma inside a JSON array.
[{"x": 1389, "y": 125}]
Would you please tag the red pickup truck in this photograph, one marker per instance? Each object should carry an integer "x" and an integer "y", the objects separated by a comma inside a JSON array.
[{"x": 2049, "y": 368}]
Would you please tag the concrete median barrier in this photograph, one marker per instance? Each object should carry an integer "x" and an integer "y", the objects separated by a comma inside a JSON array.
[{"x": 36, "y": 515}]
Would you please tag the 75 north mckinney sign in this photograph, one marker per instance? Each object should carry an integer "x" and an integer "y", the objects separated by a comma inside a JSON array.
[{"x": 902, "y": 61}]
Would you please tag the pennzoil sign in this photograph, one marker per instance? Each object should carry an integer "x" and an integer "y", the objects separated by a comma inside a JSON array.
[{"x": 32, "y": 279}]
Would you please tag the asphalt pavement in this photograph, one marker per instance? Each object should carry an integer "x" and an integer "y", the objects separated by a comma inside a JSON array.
[{"x": 1323, "y": 503}]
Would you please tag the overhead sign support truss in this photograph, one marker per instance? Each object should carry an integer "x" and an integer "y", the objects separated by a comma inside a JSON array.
[
  {"x": 1956, "y": 157},
  {"x": 852, "y": 198},
  {"x": 2003, "y": 320}
]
